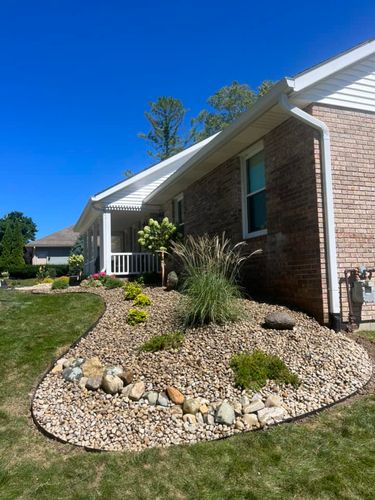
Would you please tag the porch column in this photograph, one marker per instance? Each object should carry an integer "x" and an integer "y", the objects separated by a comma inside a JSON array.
[
  {"x": 85, "y": 254},
  {"x": 107, "y": 241},
  {"x": 101, "y": 248},
  {"x": 95, "y": 245}
]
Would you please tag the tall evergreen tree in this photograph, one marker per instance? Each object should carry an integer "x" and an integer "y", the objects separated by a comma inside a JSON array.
[
  {"x": 12, "y": 246},
  {"x": 165, "y": 117}
]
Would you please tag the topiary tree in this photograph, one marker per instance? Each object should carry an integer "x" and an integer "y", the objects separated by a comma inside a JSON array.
[
  {"x": 12, "y": 246},
  {"x": 157, "y": 238}
]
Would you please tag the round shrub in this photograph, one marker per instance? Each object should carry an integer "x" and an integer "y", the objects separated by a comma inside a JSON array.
[
  {"x": 131, "y": 290},
  {"x": 60, "y": 283},
  {"x": 136, "y": 316},
  {"x": 142, "y": 300}
]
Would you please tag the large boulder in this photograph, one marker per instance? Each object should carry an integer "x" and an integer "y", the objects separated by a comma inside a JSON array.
[
  {"x": 172, "y": 280},
  {"x": 71, "y": 374},
  {"x": 225, "y": 414},
  {"x": 191, "y": 406},
  {"x": 92, "y": 367},
  {"x": 279, "y": 321},
  {"x": 137, "y": 391},
  {"x": 175, "y": 395},
  {"x": 112, "y": 384},
  {"x": 93, "y": 383}
]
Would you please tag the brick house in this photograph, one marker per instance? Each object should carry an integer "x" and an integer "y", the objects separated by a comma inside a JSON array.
[{"x": 293, "y": 176}]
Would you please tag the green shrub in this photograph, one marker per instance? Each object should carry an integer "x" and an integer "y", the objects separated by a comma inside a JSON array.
[
  {"x": 163, "y": 342},
  {"x": 209, "y": 298},
  {"x": 132, "y": 289},
  {"x": 60, "y": 283},
  {"x": 252, "y": 370},
  {"x": 30, "y": 271},
  {"x": 110, "y": 282},
  {"x": 136, "y": 316},
  {"x": 142, "y": 300}
]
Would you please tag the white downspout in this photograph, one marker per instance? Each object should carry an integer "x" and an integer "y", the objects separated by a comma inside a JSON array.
[{"x": 328, "y": 209}]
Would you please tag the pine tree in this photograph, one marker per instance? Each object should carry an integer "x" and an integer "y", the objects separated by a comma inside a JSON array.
[
  {"x": 12, "y": 246},
  {"x": 165, "y": 117}
]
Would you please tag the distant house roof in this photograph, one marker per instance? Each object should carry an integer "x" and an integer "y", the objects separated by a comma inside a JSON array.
[{"x": 63, "y": 238}]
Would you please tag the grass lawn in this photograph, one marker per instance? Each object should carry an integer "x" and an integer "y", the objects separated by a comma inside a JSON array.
[
  {"x": 367, "y": 334},
  {"x": 329, "y": 456}
]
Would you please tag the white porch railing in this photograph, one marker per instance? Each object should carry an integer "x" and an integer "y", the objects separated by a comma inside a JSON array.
[{"x": 134, "y": 263}]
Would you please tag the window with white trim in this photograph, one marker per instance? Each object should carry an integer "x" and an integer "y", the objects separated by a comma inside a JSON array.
[{"x": 254, "y": 192}]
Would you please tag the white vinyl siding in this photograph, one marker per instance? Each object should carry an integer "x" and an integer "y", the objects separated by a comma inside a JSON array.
[{"x": 352, "y": 87}]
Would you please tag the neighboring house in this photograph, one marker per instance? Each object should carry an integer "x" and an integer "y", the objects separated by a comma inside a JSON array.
[
  {"x": 293, "y": 176},
  {"x": 54, "y": 248}
]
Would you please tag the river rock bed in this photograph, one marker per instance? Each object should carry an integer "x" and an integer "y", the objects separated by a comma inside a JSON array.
[{"x": 329, "y": 365}]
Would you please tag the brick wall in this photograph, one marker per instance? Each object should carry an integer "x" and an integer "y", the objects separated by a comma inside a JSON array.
[
  {"x": 353, "y": 167},
  {"x": 290, "y": 268}
]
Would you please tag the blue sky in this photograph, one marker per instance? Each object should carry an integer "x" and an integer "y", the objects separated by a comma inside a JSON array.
[{"x": 76, "y": 77}]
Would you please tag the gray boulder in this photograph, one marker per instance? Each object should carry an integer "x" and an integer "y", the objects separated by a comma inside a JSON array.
[
  {"x": 151, "y": 397},
  {"x": 71, "y": 374},
  {"x": 93, "y": 383},
  {"x": 163, "y": 399},
  {"x": 225, "y": 414},
  {"x": 172, "y": 280},
  {"x": 279, "y": 321}
]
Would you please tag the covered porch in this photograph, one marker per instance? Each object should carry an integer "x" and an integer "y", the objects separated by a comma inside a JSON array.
[{"x": 111, "y": 244}]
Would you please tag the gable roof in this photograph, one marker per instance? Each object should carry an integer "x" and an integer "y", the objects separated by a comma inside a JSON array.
[
  {"x": 130, "y": 194},
  {"x": 64, "y": 238},
  {"x": 312, "y": 85}
]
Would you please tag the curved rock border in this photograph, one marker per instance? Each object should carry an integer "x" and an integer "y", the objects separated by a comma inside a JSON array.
[{"x": 230, "y": 430}]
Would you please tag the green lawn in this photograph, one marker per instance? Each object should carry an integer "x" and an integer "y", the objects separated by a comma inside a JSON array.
[
  {"x": 329, "y": 456},
  {"x": 367, "y": 334}
]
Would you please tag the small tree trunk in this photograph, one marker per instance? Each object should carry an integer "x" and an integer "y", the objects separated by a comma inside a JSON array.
[{"x": 162, "y": 265}]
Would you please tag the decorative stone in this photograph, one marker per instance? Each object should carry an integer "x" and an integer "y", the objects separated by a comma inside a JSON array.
[
  {"x": 203, "y": 409},
  {"x": 71, "y": 374},
  {"x": 239, "y": 424},
  {"x": 82, "y": 382},
  {"x": 253, "y": 407},
  {"x": 279, "y": 321},
  {"x": 92, "y": 367},
  {"x": 175, "y": 395},
  {"x": 93, "y": 383},
  {"x": 190, "y": 418},
  {"x": 267, "y": 415},
  {"x": 117, "y": 370},
  {"x": 137, "y": 391},
  {"x": 172, "y": 280},
  {"x": 58, "y": 368},
  {"x": 77, "y": 362},
  {"x": 127, "y": 376},
  {"x": 257, "y": 397},
  {"x": 112, "y": 384},
  {"x": 68, "y": 362},
  {"x": 225, "y": 414},
  {"x": 209, "y": 419},
  {"x": 126, "y": 390},
  {"x": 245, "y": 401},
  {"x": 251, "y": 420},
  {"x": 199, "y": 418},
  {"x": 191, "y": 406},
  {"x": 151, "y": 397},
  {"x": 273, "y": 400},
  {"x": 163, "y": 399},
  {"x": 177, "y": 411},
  {"x": 237, "y": 408}
]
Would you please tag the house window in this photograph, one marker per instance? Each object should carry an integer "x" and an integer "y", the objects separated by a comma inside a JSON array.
[
  {"x": 178, "y": 211},
  {"x": 254, "y": 192}
]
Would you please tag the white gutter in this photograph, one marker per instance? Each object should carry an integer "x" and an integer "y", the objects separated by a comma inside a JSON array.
[{"x": 328, "y": 208}]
